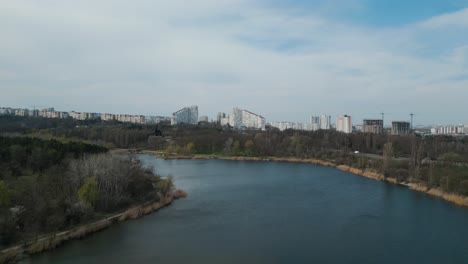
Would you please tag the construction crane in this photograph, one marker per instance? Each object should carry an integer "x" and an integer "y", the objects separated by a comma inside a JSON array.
[
  {"x": 412, "y": 115},
  {"x": 383, "y": 116}
]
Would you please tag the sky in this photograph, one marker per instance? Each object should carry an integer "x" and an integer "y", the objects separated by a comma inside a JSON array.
[{"x": 285, "y": 60}]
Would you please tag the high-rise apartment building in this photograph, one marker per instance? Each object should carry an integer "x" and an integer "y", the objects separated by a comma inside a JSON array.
[
  {"x": 374, "y": 126},
  {"x": 343, "y": 124},
  {"x": 220, "y": 116},
  {"x": 315, "y": 123},
  {"x": 244, "y": 119},
  {"x": 186, "y": 115},
  {"x": 325, "y": 122},
  {"x": 400, "y": 128},
  {"x": 320, "y": 122}
]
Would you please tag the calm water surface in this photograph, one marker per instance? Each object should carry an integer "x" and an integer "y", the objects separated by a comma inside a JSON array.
[{"x": 266, "y": 212}]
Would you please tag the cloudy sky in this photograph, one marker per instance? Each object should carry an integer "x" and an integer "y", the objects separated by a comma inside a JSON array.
[{"x": 286, "y": 60}]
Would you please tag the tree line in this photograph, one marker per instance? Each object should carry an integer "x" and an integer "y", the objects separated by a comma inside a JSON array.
[
  {"x": 48, "y": 185},
  {"x": 417, "y": 151},
  {"x": 437, "y": 162}
]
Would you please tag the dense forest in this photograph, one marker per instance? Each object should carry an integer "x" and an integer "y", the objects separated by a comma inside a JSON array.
[{"x": 47, "y": 185}]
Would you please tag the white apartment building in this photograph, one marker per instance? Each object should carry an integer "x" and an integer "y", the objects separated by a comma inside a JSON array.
[
  {"x": 291, "y": 125},
  {"x": 136, "y": 119},
  {"x": 315, "y": 122},
  {"x": 220, "y": 116},
  {"x": 51, "y": 113},
  {"x": 449, "y": 130},
  {"x": 320, "y": 122},
  {"x": 108, "y": 117},
  {"x": 244, "y": 119},
  {"x": 124, "y": 118},
  {"x": 21, "y": 112},
  {"x": 343, "y": 124},
  {"x": 325, "y": 122},
  {"x": 83, "y": 115},
  {"x": 223, "y": 119}
]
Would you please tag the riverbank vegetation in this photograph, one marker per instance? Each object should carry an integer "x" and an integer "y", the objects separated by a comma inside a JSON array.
[
  {"x": 47, "y": 186},
  {"x": 434, "y": 161}
]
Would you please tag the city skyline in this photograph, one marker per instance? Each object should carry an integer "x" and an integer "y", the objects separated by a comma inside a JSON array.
[
  {"x": 285, "y": 60},
  {"x": 315, "y": 122}
]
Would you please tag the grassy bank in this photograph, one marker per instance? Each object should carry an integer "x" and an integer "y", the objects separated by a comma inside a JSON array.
[{"x": 14, "y": 254}]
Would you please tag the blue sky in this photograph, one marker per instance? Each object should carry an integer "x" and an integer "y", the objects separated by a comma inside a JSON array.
[
  {"x": 286, "y": 60},
  {"x": 373, "y": 13}
]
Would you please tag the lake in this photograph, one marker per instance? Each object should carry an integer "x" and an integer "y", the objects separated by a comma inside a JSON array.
[{"x": 272, "y": 212}]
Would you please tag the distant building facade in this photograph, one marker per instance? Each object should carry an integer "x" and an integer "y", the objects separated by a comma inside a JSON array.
[
  {"x": 135, "y": 119},
  {"x": 223, "y": 119},
  {"x": 282, "y": 125},
  {"x": 7, "y": 111},
  {"x": 325, "y": 122},
  {"x": 21, "y": 112},
  {"x": 203, "y": 119},
  {"x": 343, "y": 124},
  {"x": 220, "y": 117},
  {"x": 34, "y": 113},
  {"x": 449, "y": 130},
  {"x": 291, "y": 125},
  {"x": 51, "y": 113},
  {"x": 320, "y": 122},
  {"x": 84, "y": 115},
  {"x": 244, "y": 119},
  {"x": 374, "y": 126},
  {"x": 157, "y": 119},
  {"x": 401, "y": 128},
  {"x": 315, "y": 123},
  {"x": 108, "y": 117},
  {"x": 186, "y": 115}
]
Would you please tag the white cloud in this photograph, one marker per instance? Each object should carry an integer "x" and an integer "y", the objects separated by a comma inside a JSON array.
[
  {"x": 455, "y": 19},
  {"x": 155, "y": 56}
]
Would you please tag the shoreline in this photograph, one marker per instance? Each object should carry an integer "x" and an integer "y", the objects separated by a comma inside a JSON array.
[
  {"x": 456, "y": 199},
  {"x": 50, "y": 242}
]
